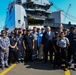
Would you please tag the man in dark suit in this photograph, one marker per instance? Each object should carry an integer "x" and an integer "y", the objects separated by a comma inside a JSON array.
[{"x": 47, "y": 44}]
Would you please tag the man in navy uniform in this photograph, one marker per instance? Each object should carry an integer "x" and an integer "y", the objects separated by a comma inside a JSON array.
[
  {"x": 34, "y": 34},
  {"x": 28, "y": 42},
  {"x": 13, "y": 50},
  {"x": 47, "y": 44},
  {"x": 72, "y": 47},
  {"x": 4, "y": 49}
]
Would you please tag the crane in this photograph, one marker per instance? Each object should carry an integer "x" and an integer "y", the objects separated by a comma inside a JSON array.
[{"x": 67, "y": 12}]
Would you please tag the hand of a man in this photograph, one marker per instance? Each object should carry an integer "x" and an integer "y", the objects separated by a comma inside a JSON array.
[
  {"x": 4, "y": 49},
  {"x": 24, "y": 48},
  {"x": 33, "y": 47}
]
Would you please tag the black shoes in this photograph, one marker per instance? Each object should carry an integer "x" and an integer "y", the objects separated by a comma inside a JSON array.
[
  {"x": 2, "y": 68},
  {"x": 65, "y": 69},
  {"x": 6, "y": 66},
  {"x": 74, "y": 69}
]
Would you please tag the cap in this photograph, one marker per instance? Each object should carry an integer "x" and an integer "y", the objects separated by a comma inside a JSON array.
[
  {"x": 6, "y": 28},
  {"x": 19, "y": 28},
  {"x": 12, "y": 32},
  {"x": 34, "y": 27},
  {"x": 38, "y": 28},
  {"x": 16, "y": 28},
  {"x": 24, "y": 29},
  {"x": 64, "y": 29},
  {"x": 72, "y": 27},
  {"x": 28, "y": 30},
  {"x": 19, "y": 32}
]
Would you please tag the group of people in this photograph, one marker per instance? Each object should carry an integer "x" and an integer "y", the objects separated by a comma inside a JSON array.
[
  {"x": 28, "y": 45},
  {"x": 19, "y": 45}
]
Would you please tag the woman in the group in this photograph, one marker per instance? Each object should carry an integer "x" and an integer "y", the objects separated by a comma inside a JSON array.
[{"x": 63, "y": 44}]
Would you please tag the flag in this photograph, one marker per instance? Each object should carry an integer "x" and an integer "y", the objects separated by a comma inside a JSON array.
[{"x": 22, "y": 27}]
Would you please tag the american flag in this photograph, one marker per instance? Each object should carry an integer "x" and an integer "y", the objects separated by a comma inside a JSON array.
[{"x": 22, "y": 27}]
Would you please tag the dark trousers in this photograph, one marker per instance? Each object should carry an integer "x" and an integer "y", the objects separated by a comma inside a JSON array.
[
  {"x": 46, "y": 50},
  {"x": 56, "y": 59},
  {"x": 63, "y": 56},
  {"x": 29, "y": 52},
  {"x": 71, "y": 52},
  {"x": 35, "y": 50},
  {"x": 20, "y": 53},
  {"x": 13, "y": 56}
]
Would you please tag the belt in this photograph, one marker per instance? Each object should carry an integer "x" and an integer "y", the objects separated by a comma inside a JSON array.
[{"x": 63, "y": 47}]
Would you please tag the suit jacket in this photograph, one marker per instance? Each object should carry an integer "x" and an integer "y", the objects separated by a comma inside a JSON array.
[{"x": 47, "y": 39}]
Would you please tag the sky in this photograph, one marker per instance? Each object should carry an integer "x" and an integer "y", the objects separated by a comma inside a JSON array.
[
  {"x": 3, "y": 7},
  {"x": 61, "y": 4}
]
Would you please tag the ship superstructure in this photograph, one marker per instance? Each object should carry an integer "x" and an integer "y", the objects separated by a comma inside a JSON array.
[{"x": 28, "y": 12}]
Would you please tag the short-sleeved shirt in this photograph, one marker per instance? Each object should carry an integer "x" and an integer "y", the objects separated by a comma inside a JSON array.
[
  {"x": 20, "y": 41},
  {"x": 13, "y": 41},
  {"x": 34, "y": 35},
  {"x": 28, "y": 39},
  {"x": 54, "y": 41},
  {"x": 62, "y": 42},
  {"x": 72, "y": 39}
]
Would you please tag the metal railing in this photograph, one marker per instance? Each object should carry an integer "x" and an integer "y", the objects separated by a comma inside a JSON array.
[{"x": 56, "y": 25}]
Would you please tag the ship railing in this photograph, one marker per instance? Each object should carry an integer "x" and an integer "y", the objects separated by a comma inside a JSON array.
[
  {"x": 40, "y": 9},
  {"x": 37, "y": 16},
  {"x": 56, "y": 25},
  {"x": 41, "y": 17},
  {"x": 29, "y": 9},
  {"x": 52, "y": 24}
]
